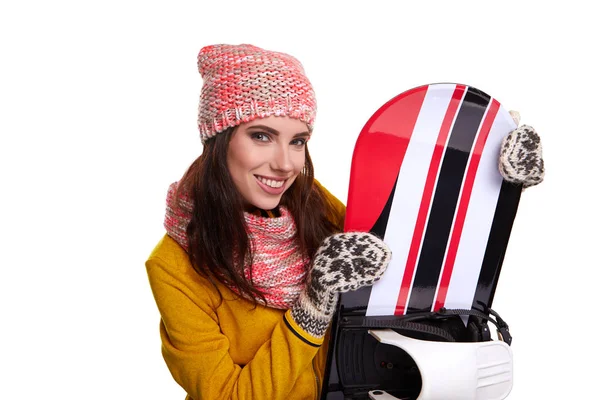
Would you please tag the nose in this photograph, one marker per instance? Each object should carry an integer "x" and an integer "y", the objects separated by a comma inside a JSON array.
[{"x": 282, "y": 160}]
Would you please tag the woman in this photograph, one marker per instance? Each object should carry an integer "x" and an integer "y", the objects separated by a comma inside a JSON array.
[{"x": 247, "y": 277}]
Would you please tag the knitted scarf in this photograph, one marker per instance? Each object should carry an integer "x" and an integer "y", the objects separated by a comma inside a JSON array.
[{"x": 278, "y": 269}]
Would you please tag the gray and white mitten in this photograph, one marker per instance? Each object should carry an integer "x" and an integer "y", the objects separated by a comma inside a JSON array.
[
  {"x": 521, "y": 155},
  {"x": 344, "y": 262}
]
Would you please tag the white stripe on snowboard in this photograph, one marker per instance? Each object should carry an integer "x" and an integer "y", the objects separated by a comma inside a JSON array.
[
  {"x": 479, "y": 217},
  {"x": 407, "y": 198}
]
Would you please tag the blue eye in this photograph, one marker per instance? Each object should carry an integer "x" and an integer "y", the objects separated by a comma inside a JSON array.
[
  {"x": 299, "y": 142},
  {"x": 260, "y": 136}
]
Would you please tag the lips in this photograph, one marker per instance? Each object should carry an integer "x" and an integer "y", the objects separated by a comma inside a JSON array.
[
  {"x": 271, "y": 182},
  {"x": 270, "y": 185}
]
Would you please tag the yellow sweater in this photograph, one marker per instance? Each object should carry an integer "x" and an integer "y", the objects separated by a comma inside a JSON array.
[{"x": 230, "y": 349}]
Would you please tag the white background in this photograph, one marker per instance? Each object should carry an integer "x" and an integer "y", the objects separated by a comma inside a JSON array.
[{"x": 98, "y": 107}]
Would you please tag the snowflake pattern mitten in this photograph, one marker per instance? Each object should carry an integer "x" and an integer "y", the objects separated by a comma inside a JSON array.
[
  {"x": 345, "y": 261},
  {"x": 521, "y": 157}
]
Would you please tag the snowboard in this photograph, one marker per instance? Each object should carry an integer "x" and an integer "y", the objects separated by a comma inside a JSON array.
[{"x": 424, "y": 177}]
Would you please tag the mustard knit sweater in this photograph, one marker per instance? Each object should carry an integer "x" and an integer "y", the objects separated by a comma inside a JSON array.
[{"x": 230, "y": 349}]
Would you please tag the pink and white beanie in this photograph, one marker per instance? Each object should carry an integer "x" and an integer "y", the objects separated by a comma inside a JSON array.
[{"x": 244, "y": 82}]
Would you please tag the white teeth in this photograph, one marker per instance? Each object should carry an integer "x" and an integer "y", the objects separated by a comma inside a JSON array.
[{"x": 271, "y": 183}]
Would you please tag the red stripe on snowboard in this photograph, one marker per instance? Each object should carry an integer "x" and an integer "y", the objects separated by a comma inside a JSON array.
[
  {"x": 432, "y": 174},
  {"x": 464, "y": 203},
  {"x": 370, "y": 185}
]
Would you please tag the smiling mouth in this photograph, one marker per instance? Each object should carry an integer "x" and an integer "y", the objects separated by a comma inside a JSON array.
[{"x": 272, "y": 183}]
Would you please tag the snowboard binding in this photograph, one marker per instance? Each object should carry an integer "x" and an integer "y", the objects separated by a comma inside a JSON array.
[{"x": 424, "y": 356}]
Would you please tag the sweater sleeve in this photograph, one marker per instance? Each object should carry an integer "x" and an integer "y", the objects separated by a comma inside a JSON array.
[{"x": 197, "y": 352}]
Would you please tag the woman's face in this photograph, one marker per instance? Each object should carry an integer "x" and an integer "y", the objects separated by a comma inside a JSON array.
[{"x": 264, "y": 158}]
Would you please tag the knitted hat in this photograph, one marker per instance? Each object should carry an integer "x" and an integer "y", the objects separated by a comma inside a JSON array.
[{"x": 244, "y": 82}]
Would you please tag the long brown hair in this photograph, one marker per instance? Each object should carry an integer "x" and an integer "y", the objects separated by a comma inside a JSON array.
[{"x": 217, "y": 233}]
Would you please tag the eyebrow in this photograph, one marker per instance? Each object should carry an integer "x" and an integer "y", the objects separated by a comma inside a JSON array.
[{"x": 274, "y": 131}]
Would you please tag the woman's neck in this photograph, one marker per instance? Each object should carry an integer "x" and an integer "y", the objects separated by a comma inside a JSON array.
[{"x": 274, "y": 213}]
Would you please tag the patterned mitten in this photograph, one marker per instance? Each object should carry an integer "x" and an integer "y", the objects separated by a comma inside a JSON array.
[
  {"x": 521, "y": 155},
  {"x": 344, "y": 262}
]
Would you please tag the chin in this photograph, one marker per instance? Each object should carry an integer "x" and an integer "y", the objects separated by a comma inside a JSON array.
[{"x": 267, "y": 204}]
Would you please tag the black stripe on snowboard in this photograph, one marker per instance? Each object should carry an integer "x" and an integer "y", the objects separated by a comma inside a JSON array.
[
  {"x": 449, "y": 182},
  {"x": 504, "y": 216},
  {"x": 358, "y": 300}
]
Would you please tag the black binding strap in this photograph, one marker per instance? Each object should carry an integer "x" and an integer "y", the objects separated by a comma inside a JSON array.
[
  {"x": 501, "y": 326},
  {"x": 407, "y": 322}
]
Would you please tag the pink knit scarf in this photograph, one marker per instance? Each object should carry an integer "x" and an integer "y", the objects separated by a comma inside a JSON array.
[{"x": 278, "y": 268}]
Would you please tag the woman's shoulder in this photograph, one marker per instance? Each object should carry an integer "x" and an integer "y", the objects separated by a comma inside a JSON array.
[
  {"x": 169, "y": 251},
  {"x": 174, "y": 282},
  {"x": 169, "y": 260}
]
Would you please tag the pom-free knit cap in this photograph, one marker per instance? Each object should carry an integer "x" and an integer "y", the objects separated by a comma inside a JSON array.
[{"x": 244, "y": 82}]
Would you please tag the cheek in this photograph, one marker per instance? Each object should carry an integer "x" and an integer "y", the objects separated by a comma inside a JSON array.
[
  {"x": 239, "y": 161},
  {"x": 299, "y": 160},
  {"x": 236, "y": 166}
]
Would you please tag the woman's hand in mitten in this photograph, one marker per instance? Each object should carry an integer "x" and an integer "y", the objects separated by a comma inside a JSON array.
[
  {"x": 521, "y": 155},
  {"x": 344, "y": 262}
]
